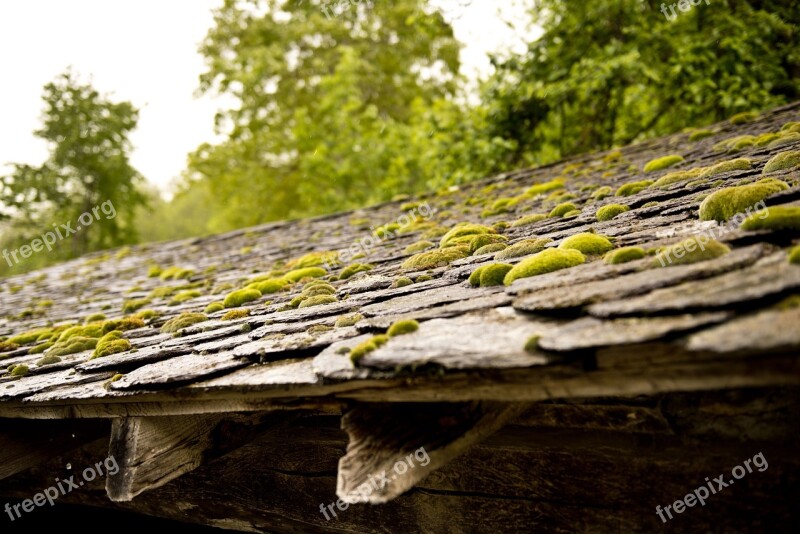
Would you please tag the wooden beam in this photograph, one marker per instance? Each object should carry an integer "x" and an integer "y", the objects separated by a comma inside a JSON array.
[{"x": 392, "y": 447}]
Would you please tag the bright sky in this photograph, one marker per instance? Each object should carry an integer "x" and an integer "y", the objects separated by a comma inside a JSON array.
[{"x": 145, "y": 51}]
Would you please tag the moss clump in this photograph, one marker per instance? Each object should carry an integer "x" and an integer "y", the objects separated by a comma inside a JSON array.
[
  {"x": 743, "y": 117},
  {"x": 729, "y": 201},
  {"x": 402, "y": 327},
  {"x": 532, "y": 345},
  {"x": 456, "y": 234},
  {"x": 544, "y": 262},
  {"x": 19, "y": 370},
  {"x": 775, "y": 218},
  {"x": 794, "y": 255},
  {"x": 312, "y": 290},
  {"x": 236, "y": 298},
  {"x": 184, "y": 296},
  {"x": 5, "y": 346},
  {"x": 41, "y": 347},
  {"x": 308, "y": 272},
  {"x": 482, "y": 240},
  {"x": 111, "y": 343},
  {"x": 176, "y": 273},
  {"x": 126, "y": 323},
  {"x": 130, "y": 306},
  {"x": 48, "y": 360},
  {"x": 738, "y": 164},
  {"x": 153, "y": 271},
  {"x": 631, "y": 188},
  {"x": 489, "y": 275},
  {"x": 235, "y": 314},
  {"x": 662, "y": 163},
  {"x": 401, "y": 281},
  {"x": 545, "y": 187},
  {"x": 678, "y": 176},
  {"x": 700, "y": 134},
  {"x": 692, "y": 250},
  {"x": 313, "y": 259},
  {"x": 766, "y": 138},
  {"x": 587, "y": 243},
  {"x": 562, "y": 209},
  {"x": 95, "y": 317},
  {"x": 526, "y": 247},
  {"x": 146, "y": 314},
  {"x": 214, "y": 307},
  {"x": 89, "y": 330},
  {"x": 785, "y": 139},
  {"x": 489, "y": 249},
  {"x": 354, "y": 268},
  {"x": 266, "y": 287},
  {"x": 624, "y": 255},
  {"x": 435, "y": 258},
  {"x": 317, "y": 300},
  {"x": 184, "y": 320},
  {"x": 528, "y": 220},
  {"x": 72, "y": 345},
  {"x": 348, "y": 320},
  {"x": 365, "y": 347},
  {"x": 606, "y": 213},
  {"x": 419, "y": 246},
  {"x": 602, "y": 192},
  {"x": 782, "y": 161}
]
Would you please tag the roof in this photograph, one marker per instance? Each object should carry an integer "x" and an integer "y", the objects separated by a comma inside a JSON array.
[{"x": 595, "y": 328}]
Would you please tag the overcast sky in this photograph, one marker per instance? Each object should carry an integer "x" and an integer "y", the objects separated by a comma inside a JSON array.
[{"x": 145, "y": 51}]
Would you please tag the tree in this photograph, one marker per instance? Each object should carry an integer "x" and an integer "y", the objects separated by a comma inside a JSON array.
[
  {"x": 88, "y": 140},
  {"x": 609, "y": 72}
]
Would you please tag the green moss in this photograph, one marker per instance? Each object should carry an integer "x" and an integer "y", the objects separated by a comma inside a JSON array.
[
  {"x": 313, "y": 259},
  {"x": 214, "y": 307},
  {"x": 587, "y": 243},
  {"x": 48, "y": 360},
  {"x": 184, "y": 296},
  {"x": 19, "y": 370},
  {"x": 423, "y": 278},
  {"x": 269, "y": 286},
  {"x": 402, "y": 327},
  {"x": 602, "y": 193},
  {"x": 130, "y": 306},
  {"x": 365, "y": 347},
  {"x": 526, "y": 247},
  {"x": 782, "y": 161},
  {"x": 738, "y": 164},
  {"x": 184, "y": 320},
  {"x": 238, "y": 313},
  {"x": 319, "y": 329},
  {"x": 317, "y": 301},
  {"x": 354, "y": 268},
  {"x": 111, "y": 343},
  {"x": 236, "y": 298},
  {"x": 5, "y": 346},
  {"x": 700, "y": 134},
  {"x": 435, "y": 258},
  {"x": 126, "y": 323},
  {"x": 348, "y": 320},
  {"x": 692, "y": 250},
  {"x": 72, "y": 345},
  {"x": 631, "y": 188},
  {"x": 90, "y": 330},
  {"x": 161, "y": 292},
  {"x": 489, "y": 249},
  {"x": 489, "y": 275},
  {"x": 608, "y": 212},
  {"x": 401, "y": 281},
  {"x": 774, "y": 218},
  {"x": 482, "y": 240},
  {"x": 729, "y": 201},
  {"x": 528, "y": 219},
  {"x": 176, "y": 273},
  {"x": 766, "y": 138},
  {"x": 146, "y": 314},
  {"x": 785, "y": 139},
  {"x": 791, "y": 126},
  {"x": 545, "y": 187},
  {"x": 419, "y": 246},
  {"x": 794, "y": 255},
  {"x": 462, "y": 230},
  {"x": 532, "y": 345},
  {"x": 743, "y": 117},
  {"x": 307, "y": 272},
  {"x": 546, "y": 261},
  {"x": 41, "y": 347},
  {"x": 562, "y": 209},
  {"x": 153, "y": 271},
  {"x": 94, "y": 317},
  {"x": 312, "y": 290},
  {"x": 662, "y": 163},
  {"x": 624, "y": 255}
]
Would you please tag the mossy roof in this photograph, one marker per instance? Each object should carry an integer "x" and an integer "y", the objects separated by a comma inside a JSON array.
[{"x": 585, "y": 316}]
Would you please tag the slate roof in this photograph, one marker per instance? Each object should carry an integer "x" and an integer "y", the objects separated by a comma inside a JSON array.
[{"x": 604, "y": 328}]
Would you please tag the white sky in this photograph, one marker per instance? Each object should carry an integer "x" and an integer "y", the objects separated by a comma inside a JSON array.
[{"x": 145, "y": 51}]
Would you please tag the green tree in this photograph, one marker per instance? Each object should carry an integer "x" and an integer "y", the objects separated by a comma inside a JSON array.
[{"x": 88, "y": 140}]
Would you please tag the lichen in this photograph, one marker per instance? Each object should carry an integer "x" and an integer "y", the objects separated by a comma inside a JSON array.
[
  {"x": 401, "y": 281},
  {"x": 307, "y": 272},
  {"x": 562, "y": 209},
  {"x": 631, "y": 188},
  {"x": 662, "y": 163},
  {"x": 782, "y": 161},
  {"x": 489, "y": 275},
  {"x": 238, "y": 313},
  {"x": 402, "y": 327},
  {"x": 526, "y": 247},
  {"x": 348, "y": 320},
  {"x": 435, "y": 258},
  {"x": 774, "y": 218},
  {"x": 236, "y": 298},
  {"x": 317, "y": 300},
  {"x": 608, "y": 212},
  {"x": 729, "y": 201},
  {"x": 111, "y": 343},
  {"x": 419, "y": 246},
  {"x": 214, "y": 307},
  {"x": 738, "y": 164},
  {"x": 354, "y": 268},
  {"x": 587, "y": 243},
  {"x": 624, "y": 255},
  {"x": 546, "y": 261},
  {"x": 692, "y": 250},
  {"x": 184, "y": 320}
]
